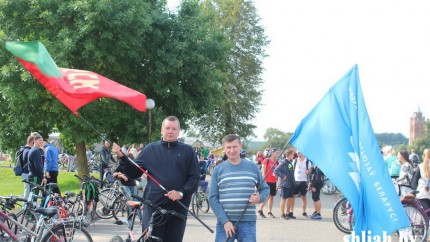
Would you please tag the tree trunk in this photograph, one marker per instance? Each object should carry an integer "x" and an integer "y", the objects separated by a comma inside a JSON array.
[{"x": 81, "y": 155}]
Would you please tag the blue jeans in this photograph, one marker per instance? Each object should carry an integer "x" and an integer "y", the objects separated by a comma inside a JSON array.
[{"x": 246, "y": 232}]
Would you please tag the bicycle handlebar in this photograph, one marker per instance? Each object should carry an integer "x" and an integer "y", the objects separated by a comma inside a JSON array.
[{"x": 158, "y": 208}]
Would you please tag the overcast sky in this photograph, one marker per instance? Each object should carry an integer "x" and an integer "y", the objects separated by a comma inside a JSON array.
[{"x": 314, "y": 43}]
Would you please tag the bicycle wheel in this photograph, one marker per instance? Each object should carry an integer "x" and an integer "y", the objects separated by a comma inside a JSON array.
[
  {"x": 340, "y": 216},
  {"x": 27, "y": 217},
  {"x": 117, "y": 238},
  {"x": 76, "y": 208},
  {"x": 203, "y": 202},
  {"x": 67, "y": 232},
  {"x": 328, "y": 188},
  {"x": 195, "y": 204},
  {"x": 106, "y": 199},
  {"x": 419, "y": 226},
  {"x": 119, "y": 205}
]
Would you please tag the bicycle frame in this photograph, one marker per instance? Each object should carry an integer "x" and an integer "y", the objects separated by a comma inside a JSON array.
[{"x": 40, "y": 227}]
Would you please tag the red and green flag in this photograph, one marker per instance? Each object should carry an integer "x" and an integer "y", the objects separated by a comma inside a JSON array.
[{"x": 74, "y": 88}]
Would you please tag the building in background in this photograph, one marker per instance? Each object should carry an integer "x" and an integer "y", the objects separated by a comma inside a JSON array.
[{"x": 417, "y": 126}]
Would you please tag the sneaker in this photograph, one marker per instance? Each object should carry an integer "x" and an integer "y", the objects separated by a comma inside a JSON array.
[
  {"x": 261, "y": 214},
  {"x": 284, "y": 216},
  {"x": 305, "y": 215},
  {"x": 290, "y": 215},
  {"x": 271, "y": 214},
  {"x": 118, "y": 222},
  {"x": 316, "y": 216}
]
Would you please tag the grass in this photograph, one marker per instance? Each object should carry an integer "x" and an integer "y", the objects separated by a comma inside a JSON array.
[{"x": 12, "y": 185}]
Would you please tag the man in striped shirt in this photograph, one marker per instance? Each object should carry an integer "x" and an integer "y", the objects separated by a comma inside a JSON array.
[{"x": 237, "y": 185}]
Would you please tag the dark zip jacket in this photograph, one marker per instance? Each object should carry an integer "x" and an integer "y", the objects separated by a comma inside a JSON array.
[
  {"x": 35, "y": 164},
  {"x": 174, "y": 165}
]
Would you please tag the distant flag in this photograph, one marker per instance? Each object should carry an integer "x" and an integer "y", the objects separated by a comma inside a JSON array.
[
  {"x": 74, "y": 88},
  {"x": 338, "y": 137}
]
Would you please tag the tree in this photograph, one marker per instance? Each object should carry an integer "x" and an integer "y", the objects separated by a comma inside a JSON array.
[
  {"x": 276, "y": 138},
  {"x": 241, "y": 98},
  {"x": 171, "y": 58}
]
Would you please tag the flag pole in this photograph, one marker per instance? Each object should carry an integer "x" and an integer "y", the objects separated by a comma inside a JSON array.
[
  {"x": 147, "y": 174},
  {"x": 259, "y": 186}
]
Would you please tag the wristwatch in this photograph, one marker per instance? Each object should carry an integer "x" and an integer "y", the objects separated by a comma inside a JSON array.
[{"x": 180, "y": 193}]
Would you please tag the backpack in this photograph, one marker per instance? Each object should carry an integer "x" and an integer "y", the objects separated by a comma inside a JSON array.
[
  {"x": 19, "y": 160},
  {"x": 318, "y": 177},
  {"x": 307, "y": 164}
]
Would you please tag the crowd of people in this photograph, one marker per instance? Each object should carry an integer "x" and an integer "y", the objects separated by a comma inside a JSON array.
[{"x": 240, "y": 189}]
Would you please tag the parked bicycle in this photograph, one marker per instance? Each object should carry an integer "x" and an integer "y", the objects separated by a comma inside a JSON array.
[
  {"x": 88, "y": 197},
  {"x": 328, "y": 187},
  {"x": 158, "y": 217},
  {"x": 63, "y": 161},
  {"x": 200, "y": 202},
  {"x": 45, "y": 230}
]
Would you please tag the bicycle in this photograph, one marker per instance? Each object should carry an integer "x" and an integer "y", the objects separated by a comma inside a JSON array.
[
  {"x": 158, "y": 217},
  {"x": 328, "y": 188},
  {"x": 88, "y": 196},
  {"x": 63, "y": 161},
  {"x": 65, "y": 230},
  {"x": 200, "y": 201},
  {"x": 343, "y": 215}
]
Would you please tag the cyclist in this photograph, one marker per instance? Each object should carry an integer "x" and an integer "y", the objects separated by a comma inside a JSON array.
[{"x": 203, "y": 169}]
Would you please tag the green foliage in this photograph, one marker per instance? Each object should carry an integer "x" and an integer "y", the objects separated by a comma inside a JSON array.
[
  {"x": 391, "y": 139},
  {"x": 177, "y": 60},
  {"x": 276, "y": 138},
  {"x": 241, "y": 97}
]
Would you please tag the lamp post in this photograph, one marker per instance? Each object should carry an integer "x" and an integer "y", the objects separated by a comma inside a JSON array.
[{"x": 150, "y": 104}]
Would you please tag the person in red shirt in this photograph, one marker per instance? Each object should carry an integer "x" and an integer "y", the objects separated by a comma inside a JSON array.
[
  {"x": 268, "y": 170},
  {"x": 259, "y": 157}
]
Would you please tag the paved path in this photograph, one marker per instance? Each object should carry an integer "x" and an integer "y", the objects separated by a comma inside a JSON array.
[{"x": 268, "y": 229}]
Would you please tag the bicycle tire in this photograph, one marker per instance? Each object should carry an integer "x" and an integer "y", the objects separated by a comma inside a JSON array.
[
  {"x": 194, "y": 204},
  {"x": 340, "y": 216},
  {"x": 106, "y": 199},
  {"x": 328, "y": 188},
  {"x": 203, "y": 203},
  {"x": 117, "y": 238},
  {"x": 119, "y": 205},
  {"x": 90, "y": 209},
  {"x": 27, "y": 217},
  {"x": 67, "y": 232},
  {"x": 77, "y": 207},
  {"x": 419, "y": 225}
]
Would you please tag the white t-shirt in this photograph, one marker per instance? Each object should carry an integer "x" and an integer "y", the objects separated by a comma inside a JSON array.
[{"x": 300, "y": 168}]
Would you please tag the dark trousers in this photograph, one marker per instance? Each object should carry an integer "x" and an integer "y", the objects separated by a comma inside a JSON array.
[
  {"x": 53, "y": 175},
  {"x": 168, "y": 228}
]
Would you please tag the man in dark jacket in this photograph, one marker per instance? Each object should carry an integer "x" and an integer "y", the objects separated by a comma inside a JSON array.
[
  {"x": 25, "y": 164},
  {"x": 106, "y": 159},
  {"x": 316, "y": 183},
  {"x": 35, "y": 160},
  {"x": 174, "y": 165},
  {"x": 285, "y": 174}
]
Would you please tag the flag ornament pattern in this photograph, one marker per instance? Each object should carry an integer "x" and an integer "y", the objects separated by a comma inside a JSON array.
[
  {"x": 338, "y": 137},
  {"x": 74, "y": 88}
]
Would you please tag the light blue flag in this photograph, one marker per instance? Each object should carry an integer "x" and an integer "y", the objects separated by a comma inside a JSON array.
[{"x": 338, "y": 137}]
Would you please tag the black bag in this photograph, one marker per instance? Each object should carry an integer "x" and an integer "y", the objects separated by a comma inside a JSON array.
[{"x": 19, "y": 159}]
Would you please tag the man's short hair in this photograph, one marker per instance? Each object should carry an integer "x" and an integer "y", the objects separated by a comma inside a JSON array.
[
  {"x": 30, "y": 139},
  {"x": 289, "y": 152},
  {"x": 171, "y": 118},
  {"x": 231, "y": 138}
]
